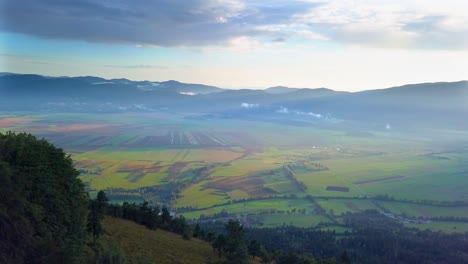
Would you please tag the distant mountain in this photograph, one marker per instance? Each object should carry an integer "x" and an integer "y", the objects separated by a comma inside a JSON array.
[
  {"x": 445, "y": 102},
  {"x": 187, "y": 88},
  {"x": 444, "y": 89},
  {"x": 174, "y": 86},
  {"x": 280, "y": 90},
  {"x": 315, "y": 92}
]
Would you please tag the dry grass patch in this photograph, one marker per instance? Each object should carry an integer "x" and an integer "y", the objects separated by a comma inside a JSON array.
[{"x": 142, "y": 245}]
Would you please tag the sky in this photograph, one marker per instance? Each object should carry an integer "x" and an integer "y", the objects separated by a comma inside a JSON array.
[{"x": 347, "y": 45}]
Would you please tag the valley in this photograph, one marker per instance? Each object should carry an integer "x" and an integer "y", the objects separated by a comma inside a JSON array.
[{"x": 266, "y": 172}]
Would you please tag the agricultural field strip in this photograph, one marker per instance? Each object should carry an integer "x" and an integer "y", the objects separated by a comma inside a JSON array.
[
  {"x": 327, "y": 153},
  {"x": 347, "y": 204}
]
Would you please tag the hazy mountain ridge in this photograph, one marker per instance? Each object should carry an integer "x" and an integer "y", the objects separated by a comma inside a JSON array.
[{"x": 444, "y": 102}]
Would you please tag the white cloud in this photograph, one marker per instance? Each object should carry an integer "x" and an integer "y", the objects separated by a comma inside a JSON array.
[
  {"x": 392, "y": 24},
  {"x": 285, "y": 110},
  {"x": 308, "y": 34},
  {"x": 244, "y": 43},
  {"x": 248, "y": 106}
]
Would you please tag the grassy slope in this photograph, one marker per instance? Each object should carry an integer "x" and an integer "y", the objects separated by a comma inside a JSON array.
[{"x": 142, "y": 245}]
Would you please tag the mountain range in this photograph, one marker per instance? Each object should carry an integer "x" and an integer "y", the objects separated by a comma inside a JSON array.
[{"x": 443, "y": 102}]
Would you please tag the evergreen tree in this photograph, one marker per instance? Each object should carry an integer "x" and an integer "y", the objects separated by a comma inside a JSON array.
[
  {"x": 43, "y": 203},
  {"x": 165, "y": 216},
  {"x": 97, "y": 211},
  {"x": 236, "y": 249},
  {"x": 210, "y": 237},
  {"x": 219, "y": 243},
  {"x": 344, "y": 258},
  {"x": 101, "y": 203},
  {"x": 94, "y": 226},
  {"x": 254, "y": 248},
  {"x": 196, "y": 231}
]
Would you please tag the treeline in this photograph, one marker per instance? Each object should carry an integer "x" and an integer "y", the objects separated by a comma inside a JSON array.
[
  {"x": 386, "y": 197},
  {"x": 235, "y": 201},
  {"x": 290, "y": 174},
  {"x": 309, "y": 165},
  {"x": 151, "y": 217},
  {"x": 372, "y": 238},
  {"x": 228, "y": 240},
  {"x": 369, "y": 237}
]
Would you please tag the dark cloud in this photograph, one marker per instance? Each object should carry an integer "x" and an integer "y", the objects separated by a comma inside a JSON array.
[
  {"x": 279, "y": 40},
  {"x": 145, "y": 22}
]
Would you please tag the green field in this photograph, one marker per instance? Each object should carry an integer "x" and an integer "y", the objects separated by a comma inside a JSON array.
[
  {"x": 265, "y": 206},
  {"x": 206, "y": 166},
  {"x": 420, "y": 210},
  {"x": 339, "y": 206},
  {"x": 448, "y": 227}
]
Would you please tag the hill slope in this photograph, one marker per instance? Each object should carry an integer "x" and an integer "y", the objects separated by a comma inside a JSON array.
[{"x": 142, "y": 245}]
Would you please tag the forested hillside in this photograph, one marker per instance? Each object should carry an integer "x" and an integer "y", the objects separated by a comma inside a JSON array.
[
  {"x": 42, "y": 203},
  {"x": 45, "y": 214}
]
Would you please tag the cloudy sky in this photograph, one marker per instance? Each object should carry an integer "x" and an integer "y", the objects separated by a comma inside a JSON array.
[{"x": 343, "y": 44}]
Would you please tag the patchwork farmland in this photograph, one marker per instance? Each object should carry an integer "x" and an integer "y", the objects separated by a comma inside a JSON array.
[{"x": 268, "y": 175}]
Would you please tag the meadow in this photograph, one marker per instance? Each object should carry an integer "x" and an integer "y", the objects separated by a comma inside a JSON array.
[
  {"x": 243, "y": 167},
  {"x": 141, "y": 245}
]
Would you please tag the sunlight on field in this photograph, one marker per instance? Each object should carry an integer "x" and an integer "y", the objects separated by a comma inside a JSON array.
[
  {"x": 200, "y": 197},
  {"x": 257, "y": 206},
  {"x": 215, "y": 164}
]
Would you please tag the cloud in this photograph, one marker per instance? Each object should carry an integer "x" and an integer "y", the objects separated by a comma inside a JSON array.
[
  {"x": 279, "y": 40},
  {"x": 391, "y": 24},
  {"x": 148, "y": 23},
  {"x": 248, "y": 106},
  {"x": 407, "y": 24},
  {"x": 308, "y": 114},
  {"x": 285, "y": 110}
]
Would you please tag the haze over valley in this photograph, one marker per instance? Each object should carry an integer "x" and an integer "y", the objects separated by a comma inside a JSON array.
[{"x": 234, "y": 131}]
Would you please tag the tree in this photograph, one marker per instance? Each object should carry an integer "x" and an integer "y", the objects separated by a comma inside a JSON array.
[
  {"x": 210, "y": 237},
  {"x": 165, "y": 216},
  {"x": 236, "y": 250},
  {"x": 97, "y": 210},
  {"x": 94, "y": 226},
  {"x": 344, "y": 258},
  {"x": 43, "y": 203},
  {"x": 196, "y": 231},
  {"x": 101, "y": 203},
  {"x": 254, "y": 248},
  {"x": 219, "y": 243},
  {"x": 179, "y": 225}
]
